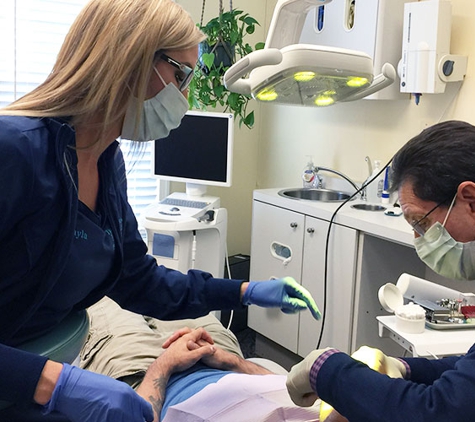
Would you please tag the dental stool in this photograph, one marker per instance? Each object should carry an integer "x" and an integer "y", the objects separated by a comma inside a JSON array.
[{"x": 63, "y": 344}]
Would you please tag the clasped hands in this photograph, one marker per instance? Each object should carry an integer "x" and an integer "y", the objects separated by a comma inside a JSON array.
[{"x": 185, "y": 347}]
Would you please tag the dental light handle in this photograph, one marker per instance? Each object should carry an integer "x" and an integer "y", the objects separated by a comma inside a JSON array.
[
  {"x": 384, "y": 79},
  {"x": 233, "y": 78},
  {"x": 288, "y": 21}
]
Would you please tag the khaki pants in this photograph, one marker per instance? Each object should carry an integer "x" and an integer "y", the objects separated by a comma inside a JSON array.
[{"x": 122, "y": 344}]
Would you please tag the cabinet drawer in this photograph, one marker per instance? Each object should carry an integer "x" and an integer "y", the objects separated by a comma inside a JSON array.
[{"x": 276, "y": 251}]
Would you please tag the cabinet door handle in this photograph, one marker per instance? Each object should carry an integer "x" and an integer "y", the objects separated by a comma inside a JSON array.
[
  {"x": 311, "y": 230},
  {"x": 294, "y": 225}
]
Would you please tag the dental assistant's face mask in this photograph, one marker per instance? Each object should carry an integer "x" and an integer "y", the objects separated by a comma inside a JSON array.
[
  {"x": 160, "y": 114},
  {"x": 443, "y": 254}
]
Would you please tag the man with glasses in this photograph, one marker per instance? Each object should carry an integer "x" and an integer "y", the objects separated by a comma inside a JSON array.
[{"x": 434, "y": 174}]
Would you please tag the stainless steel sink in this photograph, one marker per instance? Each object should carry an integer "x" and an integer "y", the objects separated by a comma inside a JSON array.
[
  {"x": 310, "y": 194},
  {"x": 368, "y": 207}
]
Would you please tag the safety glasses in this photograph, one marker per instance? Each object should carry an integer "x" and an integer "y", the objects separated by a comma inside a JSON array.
[
  {"x": 420, "y": 227},
  {"x": 185, "y": 75}
]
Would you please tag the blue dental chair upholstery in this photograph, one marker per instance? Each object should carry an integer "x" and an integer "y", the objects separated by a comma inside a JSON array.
[{"x": 62, "y": 344}]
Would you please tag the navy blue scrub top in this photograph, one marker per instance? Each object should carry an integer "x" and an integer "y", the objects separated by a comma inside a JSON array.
[{"x": 89, "y": 263}]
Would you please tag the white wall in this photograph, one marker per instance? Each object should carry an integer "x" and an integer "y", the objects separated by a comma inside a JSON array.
[
  {"x": 273, "y": 154},
  {"x": 238, "y": 198},
  {"x": 342, "y": 135}
]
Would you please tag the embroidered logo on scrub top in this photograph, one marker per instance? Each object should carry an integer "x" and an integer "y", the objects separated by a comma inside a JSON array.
[
  {"x": 108, "y": 231},
  {"x": 80, "y": 234}
]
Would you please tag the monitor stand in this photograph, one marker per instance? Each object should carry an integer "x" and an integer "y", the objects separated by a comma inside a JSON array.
[{"x": 195, "y": 189}]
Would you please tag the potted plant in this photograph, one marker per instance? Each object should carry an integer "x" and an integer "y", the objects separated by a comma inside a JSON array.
[{"x": 225, "y": 44}]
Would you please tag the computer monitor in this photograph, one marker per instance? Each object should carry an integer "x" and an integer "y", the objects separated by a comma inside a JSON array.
[{"x": 199, "y": 152}]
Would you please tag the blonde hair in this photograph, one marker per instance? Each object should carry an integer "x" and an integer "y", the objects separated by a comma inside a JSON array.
[{"x": 106, "y": 57}]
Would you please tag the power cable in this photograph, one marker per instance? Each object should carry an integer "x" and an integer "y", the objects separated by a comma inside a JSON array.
[{"x": 327, "y": 243}]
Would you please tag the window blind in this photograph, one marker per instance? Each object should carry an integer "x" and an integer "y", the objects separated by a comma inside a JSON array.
[{"x": 32, "y": 32}]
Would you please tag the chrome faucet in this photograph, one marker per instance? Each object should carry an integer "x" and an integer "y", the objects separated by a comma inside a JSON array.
[{"x": 338, "y": 173}]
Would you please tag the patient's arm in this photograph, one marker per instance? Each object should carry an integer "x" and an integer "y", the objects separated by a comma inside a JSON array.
[{"x": 176, "y": 358}]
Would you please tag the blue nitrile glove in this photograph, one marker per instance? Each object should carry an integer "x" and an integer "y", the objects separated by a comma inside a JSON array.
[
  {"x": 284, "y": 293},
  {"x": 85, "y": 396}
]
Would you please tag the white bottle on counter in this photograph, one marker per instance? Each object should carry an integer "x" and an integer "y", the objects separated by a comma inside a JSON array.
[
  {"x": 308, "y": 174},
  {"x": 375, "y": 189}
]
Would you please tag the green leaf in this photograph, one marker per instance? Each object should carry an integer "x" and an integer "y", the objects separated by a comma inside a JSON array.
[
  {"x": 207, "y": 89},
  {"x": 208, "y": 59},
  {"x": 233, "y": 100},
  {"x": 234, "y": 38},
  {"x": 249, "y": 20},
  {"x": 218, "y": 90},
  {"x": 249, "y": 120}
]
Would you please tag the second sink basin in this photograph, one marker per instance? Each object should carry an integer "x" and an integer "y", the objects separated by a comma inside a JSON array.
[
  {"x": 310, "y": 194},
  {"x": 368, "y": 207}
]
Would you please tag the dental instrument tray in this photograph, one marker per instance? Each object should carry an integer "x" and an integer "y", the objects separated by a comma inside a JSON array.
[
  {"x": 447, "y": 314},
  {"x": 445, "y": 308},
  {"x": 441, "y": 325}
]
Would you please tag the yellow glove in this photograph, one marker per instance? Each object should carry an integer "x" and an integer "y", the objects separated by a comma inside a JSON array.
[{"x": 376, "y": 360}]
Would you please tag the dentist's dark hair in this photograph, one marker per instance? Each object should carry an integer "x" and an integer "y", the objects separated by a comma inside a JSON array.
[{"x": 436, "y": 161}]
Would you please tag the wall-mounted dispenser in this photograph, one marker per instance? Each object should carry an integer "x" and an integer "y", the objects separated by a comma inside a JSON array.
[
  {"x": 289, "y": 72},
  {"x": 426, "y": 64}
]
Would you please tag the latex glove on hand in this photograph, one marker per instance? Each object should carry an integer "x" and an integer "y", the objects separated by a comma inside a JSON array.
[
  {"x": 82, "y": 396},
  {"x": 298, "y": 380},
  {"x": 284, "y": 293}
]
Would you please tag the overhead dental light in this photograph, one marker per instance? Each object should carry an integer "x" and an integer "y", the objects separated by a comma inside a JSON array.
[{"x": 312, "y": 75}]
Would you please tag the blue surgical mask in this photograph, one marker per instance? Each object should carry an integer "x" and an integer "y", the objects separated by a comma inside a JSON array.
[
  {"x": 443, "y": 254},
  {"x": 160, "y": 115}
]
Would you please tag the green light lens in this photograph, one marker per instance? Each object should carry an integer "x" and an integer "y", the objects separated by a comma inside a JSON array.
[
  {"x": 324, "y": 100},
  {"x": 267, "y": 95},
  {"x": 356, "y": 82},
  {"x": 304, "y": 76}
]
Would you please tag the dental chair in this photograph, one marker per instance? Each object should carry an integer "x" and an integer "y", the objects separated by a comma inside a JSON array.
[{"x": 62, "y": 344}]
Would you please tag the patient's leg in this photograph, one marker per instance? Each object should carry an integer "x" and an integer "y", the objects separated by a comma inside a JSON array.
[{"x": 122, "y": 344}]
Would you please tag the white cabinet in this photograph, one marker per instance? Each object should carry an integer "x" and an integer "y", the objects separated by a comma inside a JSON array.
[
  {"x": 289, "y": 243},
  {"x": 342, "y": 250},
  {"x": 273, "y": 226}
]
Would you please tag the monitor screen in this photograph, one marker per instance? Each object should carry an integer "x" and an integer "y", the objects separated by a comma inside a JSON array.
[{"x": 199, "y": 151}]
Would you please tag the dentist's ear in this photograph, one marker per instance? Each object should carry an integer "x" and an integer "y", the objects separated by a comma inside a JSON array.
[{"x": 466, "y": 193}]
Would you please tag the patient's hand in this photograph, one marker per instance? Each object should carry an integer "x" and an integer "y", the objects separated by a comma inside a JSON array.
[
  {"x": 227, "y": 361},
  {"x": 218, "y": 360},
  {"x": 181, "y": 332},
  {"x": 181, "y": 354},
  {"x": 221, "y": 359}
]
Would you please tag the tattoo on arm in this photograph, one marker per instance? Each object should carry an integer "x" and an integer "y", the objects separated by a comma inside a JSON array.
[{"x": 157, "y": 400}]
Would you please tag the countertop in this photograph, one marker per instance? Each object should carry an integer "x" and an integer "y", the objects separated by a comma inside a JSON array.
[
  {"x": 430, "y": 342},
  {"x": 375, "y": 223}
]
